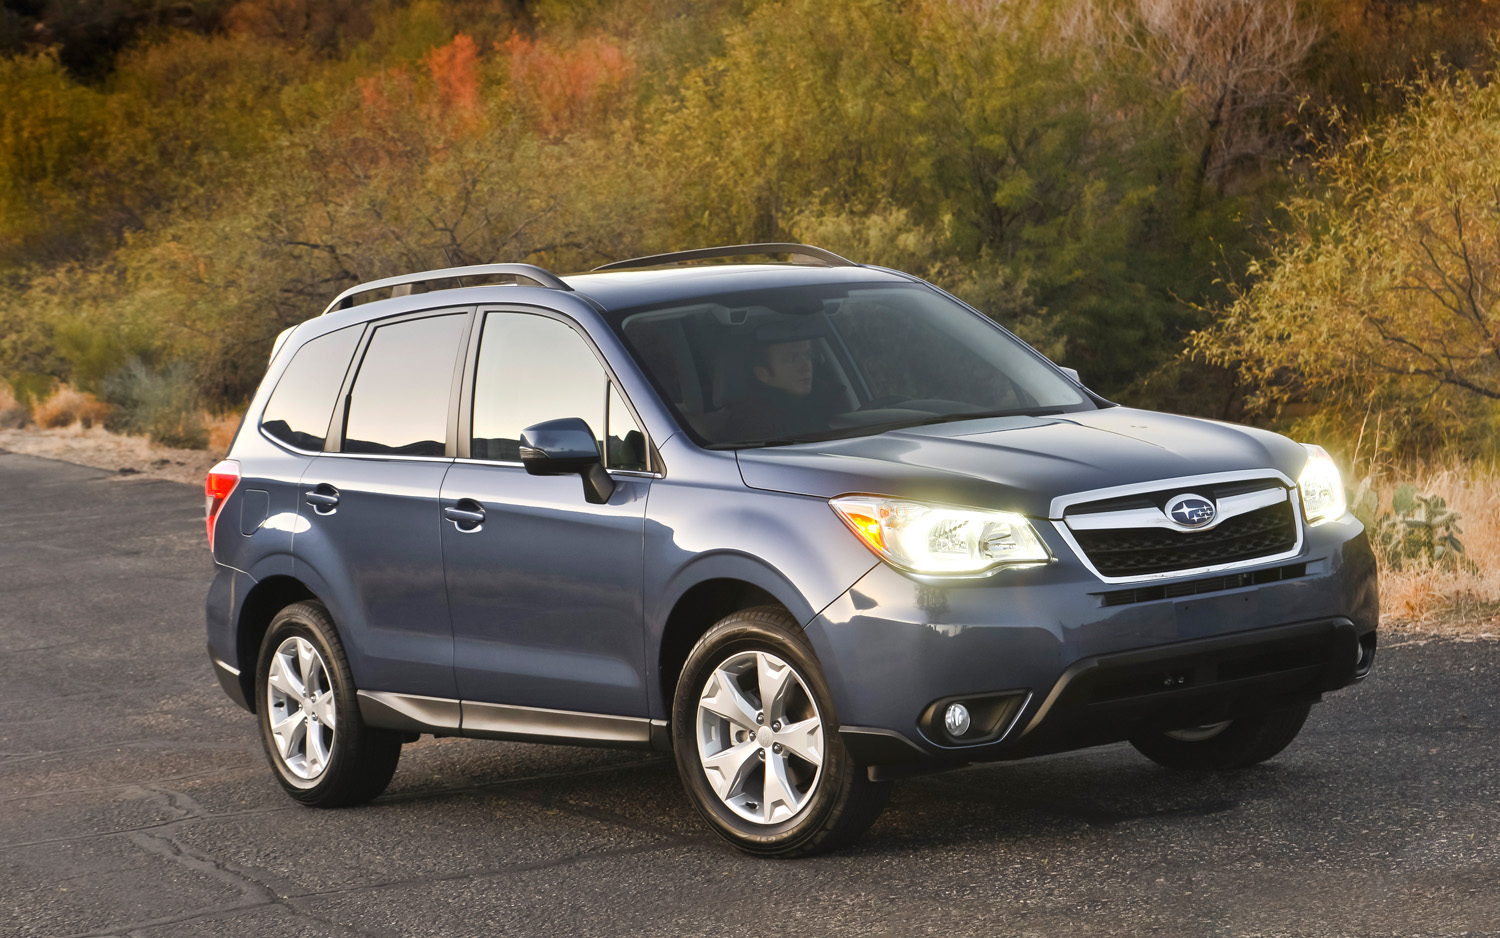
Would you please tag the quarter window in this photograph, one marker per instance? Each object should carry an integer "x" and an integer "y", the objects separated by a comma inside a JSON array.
[
  {"x": 302, "y": 404},
  {"x": 399, "y": 404},
  {"x": 626, "y": 444}
]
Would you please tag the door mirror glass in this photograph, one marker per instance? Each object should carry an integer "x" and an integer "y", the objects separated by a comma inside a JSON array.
[{"x": 563, "y": 447}]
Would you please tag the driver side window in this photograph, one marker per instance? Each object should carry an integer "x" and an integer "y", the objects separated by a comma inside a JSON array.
[{"x": 531, "y": 368}]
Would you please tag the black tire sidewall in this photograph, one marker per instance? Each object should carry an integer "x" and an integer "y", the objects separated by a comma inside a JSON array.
[
  {"x": 758, "y": 630},
  {"x": 1245, "y": 742},
  {"x": 311, "y": 622}
]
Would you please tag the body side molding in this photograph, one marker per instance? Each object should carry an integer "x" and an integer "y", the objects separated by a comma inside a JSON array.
[{"x": 412, "y": 713}]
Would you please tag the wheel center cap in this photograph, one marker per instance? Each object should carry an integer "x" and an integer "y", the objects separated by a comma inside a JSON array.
[{"x": 764, "y": 736}]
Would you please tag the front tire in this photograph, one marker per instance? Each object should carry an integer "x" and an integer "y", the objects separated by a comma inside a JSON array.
[
  {"x": 1237, "y": 744},
  {"x": 319, "y": 749},
  {"x": 757, "y": 743}
]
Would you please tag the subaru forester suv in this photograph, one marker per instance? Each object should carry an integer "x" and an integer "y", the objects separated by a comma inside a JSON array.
[{"x": 808, "y": 525}]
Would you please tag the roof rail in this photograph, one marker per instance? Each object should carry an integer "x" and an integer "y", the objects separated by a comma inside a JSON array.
[
  {"x": 827, "y": 258},
  {"x": 537, "y": 275}
]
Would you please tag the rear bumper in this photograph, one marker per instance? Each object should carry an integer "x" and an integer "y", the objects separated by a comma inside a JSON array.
[{"x": 1086, "y": 667}]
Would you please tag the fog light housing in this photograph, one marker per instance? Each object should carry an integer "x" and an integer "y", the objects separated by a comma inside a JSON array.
[
  {"x": 971, "y": 719},
  {"x": 956, "y": 720}
]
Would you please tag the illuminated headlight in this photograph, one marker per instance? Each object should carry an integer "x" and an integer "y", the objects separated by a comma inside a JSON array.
[
  {"x": 1322, "y": 487},
  {"x": 937, "y": 540}
]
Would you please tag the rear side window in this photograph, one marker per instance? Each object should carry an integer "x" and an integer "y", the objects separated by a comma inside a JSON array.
[
  {"x": 399, "y": 403},
  {"x": 531, "y": 369},
  {"x": 302, "y": 404}
]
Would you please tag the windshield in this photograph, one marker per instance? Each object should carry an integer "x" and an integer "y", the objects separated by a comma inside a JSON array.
[{"x": 796, "y": 364}]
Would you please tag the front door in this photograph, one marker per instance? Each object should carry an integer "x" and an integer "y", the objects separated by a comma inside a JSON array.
[{"x": 545, "y": 591}]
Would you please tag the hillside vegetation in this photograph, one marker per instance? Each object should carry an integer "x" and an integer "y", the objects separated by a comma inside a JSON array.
[
  {"x": 1247, "y": 209},
  {"x": 1275, "y": 211}
]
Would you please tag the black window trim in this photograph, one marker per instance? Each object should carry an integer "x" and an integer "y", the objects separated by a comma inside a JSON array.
[
  {"x": 465, "y": 413},
  {"x": 335, "y": 443}
]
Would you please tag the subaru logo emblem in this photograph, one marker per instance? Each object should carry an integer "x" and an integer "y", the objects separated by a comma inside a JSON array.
[{"x": 1191, "y": 511}]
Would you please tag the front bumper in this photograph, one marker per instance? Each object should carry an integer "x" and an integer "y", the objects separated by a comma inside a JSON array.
[{"x": 1091, "y": 667}]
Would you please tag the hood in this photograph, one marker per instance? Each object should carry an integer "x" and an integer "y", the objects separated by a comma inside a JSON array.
[{"x": 1019, "y": 463}]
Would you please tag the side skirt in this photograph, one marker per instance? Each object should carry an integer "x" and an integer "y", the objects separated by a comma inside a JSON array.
[{"x": 443, "y": 717}]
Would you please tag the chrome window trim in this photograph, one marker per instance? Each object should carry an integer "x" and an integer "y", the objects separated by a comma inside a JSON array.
[
  {"x": 393, "y": 456},
  {"x": 512, "y": 464},
  {"x": 1063, "y": 502},
  {"x": 305, "y": 452},
  {"x": 287, "y": 446}
]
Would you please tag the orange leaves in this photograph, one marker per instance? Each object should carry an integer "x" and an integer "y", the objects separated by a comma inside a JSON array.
[
  {"x": 565, "y": 86},
  {"x": 405, "y": 116},
  {"x": 453, "y": 70}
]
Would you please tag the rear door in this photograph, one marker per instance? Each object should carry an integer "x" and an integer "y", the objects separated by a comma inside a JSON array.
[
  {"x": 373, "y": 539},
  {"x": 545, "y": 593}
]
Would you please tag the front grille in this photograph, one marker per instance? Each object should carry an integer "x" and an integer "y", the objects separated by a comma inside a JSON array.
[{"x": 1139, "y": 551}]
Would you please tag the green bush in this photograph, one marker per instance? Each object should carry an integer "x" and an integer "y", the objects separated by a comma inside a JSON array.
[
  {"x": 1417, "y": 530},
  {"x": 160, "y": 404}
]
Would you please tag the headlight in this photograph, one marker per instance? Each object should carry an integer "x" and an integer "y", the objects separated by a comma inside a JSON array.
[
  {"x": 937, "y": 540},
  {"x": 1322, "y": 487}
]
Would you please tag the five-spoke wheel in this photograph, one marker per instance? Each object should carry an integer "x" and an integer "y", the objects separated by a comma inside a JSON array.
[
  {"x": 760, "y": 738},
  {"x": 757, "y": 742},
  {"x": 303, "y": 716},
  {"x": 321, "y": 750}
]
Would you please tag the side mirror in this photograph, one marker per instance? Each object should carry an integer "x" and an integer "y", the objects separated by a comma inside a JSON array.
[
  {"x": 566, "y": 447},
  {"x": 1071, "y": 373}
]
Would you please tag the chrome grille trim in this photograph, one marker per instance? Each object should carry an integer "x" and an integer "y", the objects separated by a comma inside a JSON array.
[
  {"x": 1144, "y": 518},
  {"x": 1227, "y": 507}
]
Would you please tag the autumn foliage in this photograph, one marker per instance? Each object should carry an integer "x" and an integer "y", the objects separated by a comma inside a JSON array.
[
  {"x": 1189, "y": 201},
  {"x": 563, "y": 87}
]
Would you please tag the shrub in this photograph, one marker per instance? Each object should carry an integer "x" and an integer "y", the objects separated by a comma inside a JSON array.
[
  {"x": 66, "y": 407},
  {"x": 13, "y": 415},
  {"x": 160, "y": 404},
  {"x": 1417, "y": 530},
  {"x": 221, "y": 430}
]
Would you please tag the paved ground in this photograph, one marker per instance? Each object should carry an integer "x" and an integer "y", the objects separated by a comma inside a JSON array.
[{"x": 134, "y": 798}]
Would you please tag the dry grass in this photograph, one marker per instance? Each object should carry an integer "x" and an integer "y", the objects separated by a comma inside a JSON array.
[
  {"x": 13, "y": 414},
  {"x": 1450, "y": 600},
  {"x": 221, "y": 429},
  {"x": 129, "y": 456},
  {"x": 66, "y": 407}
]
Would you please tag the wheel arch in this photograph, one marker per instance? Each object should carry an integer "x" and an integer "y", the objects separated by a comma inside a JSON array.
[
  {"x": 268, "y": 597},
  {"x": 693, "y": 613}
]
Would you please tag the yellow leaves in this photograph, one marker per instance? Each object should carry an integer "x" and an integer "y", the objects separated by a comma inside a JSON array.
[{"x": 1384, "y": 275}]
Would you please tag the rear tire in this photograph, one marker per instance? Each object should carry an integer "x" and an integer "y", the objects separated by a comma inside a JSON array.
[
  {"x": 782, "y": 783},
  {"x": 320, "y": 750},
  {"x": 1239, "y": 744}
]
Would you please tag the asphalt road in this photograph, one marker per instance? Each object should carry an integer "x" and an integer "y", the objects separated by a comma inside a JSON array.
[{"x": 134, "y": 798}]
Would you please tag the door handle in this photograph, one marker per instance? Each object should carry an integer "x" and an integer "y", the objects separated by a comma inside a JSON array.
[
  {"x": 324, "y": 498},
  {"x": 467, "y": 515}
]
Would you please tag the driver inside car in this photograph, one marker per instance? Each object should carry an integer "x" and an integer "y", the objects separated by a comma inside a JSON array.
[{"x": 783, "y": 395}]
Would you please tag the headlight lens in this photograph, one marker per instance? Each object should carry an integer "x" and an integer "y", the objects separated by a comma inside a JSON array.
[
  {"x": 937, "y": 540},
  {"x": 1322, "y": 487}
]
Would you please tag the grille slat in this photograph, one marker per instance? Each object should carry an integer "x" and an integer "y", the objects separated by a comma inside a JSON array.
[{"x": 1137, "y": 551}]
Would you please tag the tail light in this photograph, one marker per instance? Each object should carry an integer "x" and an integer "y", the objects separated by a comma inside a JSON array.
[{"x": 222, "y": 479}]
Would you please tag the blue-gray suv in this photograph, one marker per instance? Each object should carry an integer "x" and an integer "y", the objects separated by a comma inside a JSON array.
[{"x": 809, "y": 525}]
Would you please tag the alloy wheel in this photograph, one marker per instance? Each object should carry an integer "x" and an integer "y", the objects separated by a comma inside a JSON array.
[
  {"x": 301, "y": 708},
  {"x": 760, "y": 737}
]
